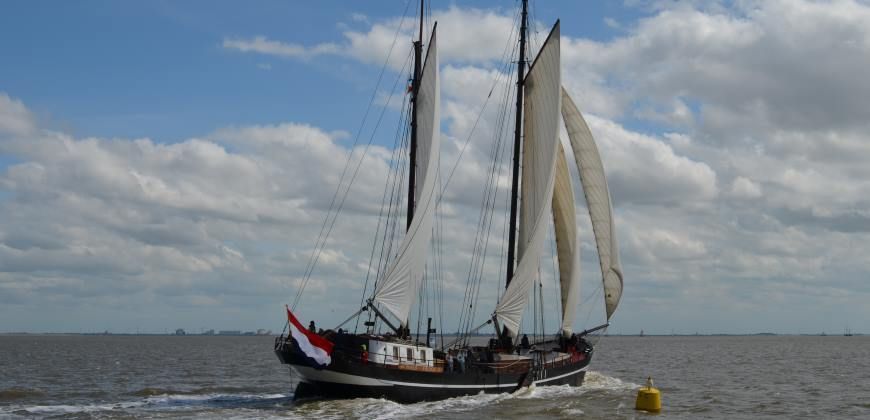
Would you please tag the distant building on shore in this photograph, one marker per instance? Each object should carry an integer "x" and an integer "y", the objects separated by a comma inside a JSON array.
[
  {"x": 208, "y": 332},
  {"x": 229, "y": 332},
  {"x": 180, "y": 331}
]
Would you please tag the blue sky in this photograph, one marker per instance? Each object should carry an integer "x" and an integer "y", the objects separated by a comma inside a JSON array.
[
  {"x": 157, "y": 69},
  {"x": 159, "y": 168}
]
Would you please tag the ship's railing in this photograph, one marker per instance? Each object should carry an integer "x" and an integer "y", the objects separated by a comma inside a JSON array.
[
  {"x": 573, "y": 358},
  {"x": 392, "y": 360},
  {"x": 387, "y": 360}
]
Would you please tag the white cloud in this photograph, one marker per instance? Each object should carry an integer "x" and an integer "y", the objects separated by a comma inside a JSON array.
[
  {"x": 749, "y": 68},
  {"x": 745, "y": 188},
  {"x": 14, "y": 116},
  {"x": 644, "y": 169},
  {"x": 466, "y": 35},
  {"x": 359, "y": 17},
  {"x": 263, "y": 45}
]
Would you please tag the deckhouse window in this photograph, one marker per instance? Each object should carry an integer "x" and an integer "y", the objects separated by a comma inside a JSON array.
[
  {"x": 410, "y": 355},
  {"x": 395, "y": 353}
]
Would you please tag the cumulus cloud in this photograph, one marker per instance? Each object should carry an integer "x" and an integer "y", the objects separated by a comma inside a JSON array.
[
  {"x": 745, "y": 188},
  {"x": 122, "y": 217},
  {"x": 263, "y": 45},
  {"x": 14, "y": 116},
  {"x": 766, "y": 95},
  {"x": 229, "y": 218},
  {"x": 466, "y": 35},
  {"x": 747, "y": 67},
  {"x": 644, "y": 169}
]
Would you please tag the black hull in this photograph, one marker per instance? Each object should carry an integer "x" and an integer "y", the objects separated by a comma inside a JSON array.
[
  {"x": 348, "y": 376},
  {"x": 408, "y": 394}
]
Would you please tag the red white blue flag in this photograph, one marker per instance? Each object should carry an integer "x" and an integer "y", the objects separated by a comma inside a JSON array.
[{"x": 316, "y": 349}]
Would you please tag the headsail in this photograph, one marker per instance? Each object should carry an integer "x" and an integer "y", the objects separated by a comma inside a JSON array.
[
  {"x": 567, "y": 248},
  {"x": 597, "y": 199},
  {"x": 541, "y": 130},
  {"x": 399, "y": 288}
]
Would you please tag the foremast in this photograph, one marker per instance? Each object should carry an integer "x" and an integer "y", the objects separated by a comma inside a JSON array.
[
  {"x": 412, "y": 147},
  {"x": 398, "y": 289},
  {"x": 515, "y": 166},
  {"x": 518, "y": 130}
]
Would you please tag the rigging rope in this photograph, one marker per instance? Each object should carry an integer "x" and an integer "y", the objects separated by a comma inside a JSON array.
[
  {"x": 490, "y": 193},
  {"x": 505, "y": 63},
  {"x": 320, "y": 243},
  {"x": 316, "y": 255},
  {"x": 484, "y": 226},
  {"x": 394, "y": 162},
  {"x": 393, "y": 209}
]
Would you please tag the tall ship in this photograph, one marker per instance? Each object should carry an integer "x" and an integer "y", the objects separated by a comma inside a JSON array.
[{"x": 375, "y": 353}]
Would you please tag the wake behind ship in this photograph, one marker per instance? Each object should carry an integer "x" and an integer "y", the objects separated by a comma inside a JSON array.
[{"x": 385, "y": 359}]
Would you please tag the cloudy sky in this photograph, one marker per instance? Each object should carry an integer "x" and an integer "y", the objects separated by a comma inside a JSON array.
[{"x": 167, "y": 164}]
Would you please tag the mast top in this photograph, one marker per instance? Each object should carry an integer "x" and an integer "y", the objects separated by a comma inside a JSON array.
[{"x": 420, "y": 35}]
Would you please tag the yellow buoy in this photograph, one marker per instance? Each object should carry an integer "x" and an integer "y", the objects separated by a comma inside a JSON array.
[{"x": 649, "y": 398}]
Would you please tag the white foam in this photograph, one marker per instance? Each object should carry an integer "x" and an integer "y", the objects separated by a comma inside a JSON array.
[
  {"x": 73, "y": 409},
  {"x": 597, "y": 380},
  {"x": 571, "y": 412},
  {"x": 372, "y": 408},
  {"x": 159, "y": 402},
  {"x": 383, "y": 409}
]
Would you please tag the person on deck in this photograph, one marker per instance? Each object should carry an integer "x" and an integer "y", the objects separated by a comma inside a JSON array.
[
  {"x": 449, "y": 363},
  {"x": 311, "y": 327},
  {"x": 461, "y": 360},
  {"x": 524, "y": 343}
]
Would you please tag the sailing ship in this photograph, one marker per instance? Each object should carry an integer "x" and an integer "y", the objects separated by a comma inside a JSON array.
[{"x": 408, "y": 368}]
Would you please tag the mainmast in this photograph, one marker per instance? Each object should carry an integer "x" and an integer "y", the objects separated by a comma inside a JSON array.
[
  {"x": 415, "y": 87},
  {"x": 515, "y": 184}
]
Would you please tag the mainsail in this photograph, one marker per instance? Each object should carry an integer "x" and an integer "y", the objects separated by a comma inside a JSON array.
[
  {"x": 597, "y": 199},
  {"x": 399, "y": 288},
  {"x": 540, "y": 130},
  {"x": 567, "y": 249}
]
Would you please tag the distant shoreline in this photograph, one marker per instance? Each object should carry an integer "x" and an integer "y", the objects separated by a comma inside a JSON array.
[{"x": 104, "y": 334}]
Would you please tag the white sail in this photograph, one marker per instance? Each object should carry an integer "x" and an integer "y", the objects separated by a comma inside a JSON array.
[
  {"x": 597, "y": 199},
  {"x": 567, "y": 249},
  {"x": 540, "y": 131},
  {"x": 401, "y": 284}
]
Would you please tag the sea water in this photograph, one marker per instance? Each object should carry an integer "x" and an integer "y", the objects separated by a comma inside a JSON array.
[{"x": 730, "y": 377}]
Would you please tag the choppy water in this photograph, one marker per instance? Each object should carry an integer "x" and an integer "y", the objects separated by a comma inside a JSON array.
[{"x": 239, "y": 377}]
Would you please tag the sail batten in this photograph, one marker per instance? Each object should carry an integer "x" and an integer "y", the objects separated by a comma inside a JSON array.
[
  {"x": 540, "y": 131},
  {"x": 401, "y": 283},
  {"x": 567, "y": 249},
  {"x": 598, "y": 201}
]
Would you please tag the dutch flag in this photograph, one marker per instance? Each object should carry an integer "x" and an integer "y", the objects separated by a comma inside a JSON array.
[{"x": 316, "y": 349}]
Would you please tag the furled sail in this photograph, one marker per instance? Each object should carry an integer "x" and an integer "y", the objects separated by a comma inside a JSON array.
[
  {"x": 597, "y": 199},
  {"x": 540, "y": 131},
  {"x": 567, "y": 249},
  {"x": 401, "y": 284}
]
